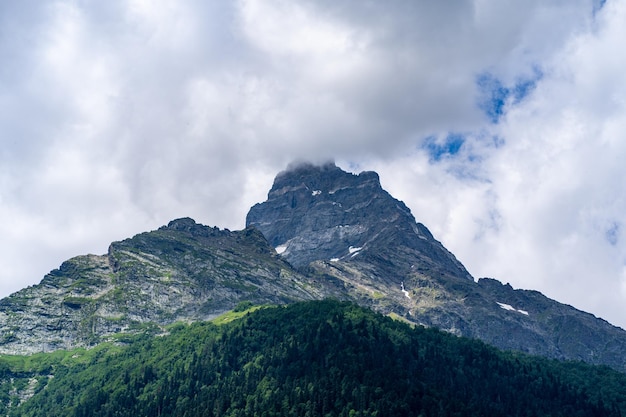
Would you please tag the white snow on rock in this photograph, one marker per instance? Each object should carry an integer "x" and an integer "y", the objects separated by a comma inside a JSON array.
[
  {"x": 353, "y": 249},
  {"x": 405, "y": 291},
  {"x": 316, "y": 192},
  {"x": 511, "y": 308},
  {"x": 280, "y": 249},
  {"x": 334, "y": 259},
  {"x": 506, "y": 306}
]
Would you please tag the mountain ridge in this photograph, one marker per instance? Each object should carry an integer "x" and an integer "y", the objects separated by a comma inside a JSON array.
[
  {"x": 350, "y": 210},
  {"x": 181, "y": 272},
  {"x": 403, "y": 270},
  {"x": 322, "y": 232}
]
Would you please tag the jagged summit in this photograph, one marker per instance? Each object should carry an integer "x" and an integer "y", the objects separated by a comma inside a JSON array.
[
  {"x": 337, "y": 235},
  {"x": 320, "y": 212},
  {"x": 345, "y": 227}
]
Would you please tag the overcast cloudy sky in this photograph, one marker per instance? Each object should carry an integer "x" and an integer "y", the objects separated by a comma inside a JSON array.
[{"x": 501, "y": 124}]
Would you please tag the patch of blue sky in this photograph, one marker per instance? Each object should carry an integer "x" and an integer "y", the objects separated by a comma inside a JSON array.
[
  {"x": 455, "y": 145},
  {"x": 522, "y": 89},
  {"x": 438, "y": 148},
  {"x": 462, "y": 154},
  {"x": 598, "y": 5},
  {"x": 494, "y": 95}
]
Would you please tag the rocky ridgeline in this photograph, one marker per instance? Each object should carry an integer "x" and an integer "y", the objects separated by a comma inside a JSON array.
[
  {"x": 181, "y": 272},
  {"x": 347, "y": 228},
  {"x": 321, "y": 233},
  {"x": 322, "y": 213}
]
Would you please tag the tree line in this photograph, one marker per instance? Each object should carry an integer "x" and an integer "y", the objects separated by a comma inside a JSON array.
[{"x": 321, "y": 358}]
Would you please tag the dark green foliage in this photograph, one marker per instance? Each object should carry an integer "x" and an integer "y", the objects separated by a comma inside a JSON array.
[{"x": 322, "y": 358}]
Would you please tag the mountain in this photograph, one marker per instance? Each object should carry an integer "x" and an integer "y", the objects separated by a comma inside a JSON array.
[
  {"x": 346, "y": 227},
  {"x": 321, "y": 233},
  {"x": 182, "y": 272},
  {"x": 316, "y": 358},
  {"x": 321, "y": 213}
]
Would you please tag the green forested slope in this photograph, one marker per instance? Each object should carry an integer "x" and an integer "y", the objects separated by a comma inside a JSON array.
[{"x": 321, "y": 358}]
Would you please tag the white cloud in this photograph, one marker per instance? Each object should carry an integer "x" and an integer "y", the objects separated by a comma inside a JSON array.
[
  {"x": 545, "y": 209},
  {"x": 116, "y": 117},
  {"x": 564, "y": 148}
]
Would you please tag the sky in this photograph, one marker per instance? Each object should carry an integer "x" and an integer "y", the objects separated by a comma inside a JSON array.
[{"x": 501, "y": 124}]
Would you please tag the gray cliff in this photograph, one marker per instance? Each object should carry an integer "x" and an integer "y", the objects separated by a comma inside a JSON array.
[
  {"x": 321, "y": 233},
  {"x": 181, "y": 272},
  {"x": 345, "y": 226}
]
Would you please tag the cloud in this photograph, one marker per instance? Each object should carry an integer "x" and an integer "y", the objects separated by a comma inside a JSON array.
[
  {"x": 562, "y": 170},
  {"x": 494, "y": 96},
  {"x": 544, "y": 207},
  {"x": 497, "y": 122}
]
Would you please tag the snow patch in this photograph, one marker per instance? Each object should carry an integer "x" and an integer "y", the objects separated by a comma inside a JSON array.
[
  {"x": 353, "y": 249},
  {"x": 316, "y": 192},
  {"x": 280, "y": 249},
  {"x": 511, "y": 308},
  {"x": 404, "y": 291},
  {"x": 506, "y": 306},
  {"x": 334, "y": 259}
]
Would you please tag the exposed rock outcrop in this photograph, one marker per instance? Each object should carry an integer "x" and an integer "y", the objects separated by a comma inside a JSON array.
[
  {"x": 323, "y": 213},
  {"x": 181, "y": 272},
  {"x": 347, "y": 227},
  {"x": 321, "y": 233}
]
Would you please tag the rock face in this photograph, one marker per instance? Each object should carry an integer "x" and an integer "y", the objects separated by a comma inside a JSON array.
[
  {"x": 322, "y": 213},
  {"x": 347, "y": 227},
  {"x": 321, "y": 233},
  {"x": 181, "y": 272}
]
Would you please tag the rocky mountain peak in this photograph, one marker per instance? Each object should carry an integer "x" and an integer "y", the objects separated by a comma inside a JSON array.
[
  {"x": 320, "y": 179},
  {"x": 183, "y": 224},
  {"x": 348, "y": 238},
  {"x": 320, "y": 212}
]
